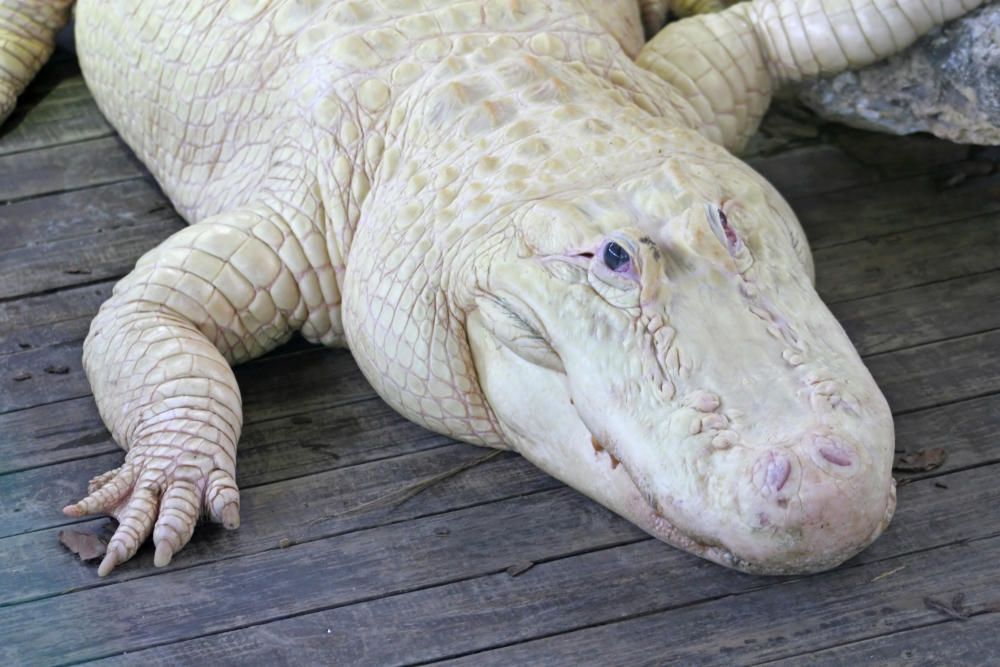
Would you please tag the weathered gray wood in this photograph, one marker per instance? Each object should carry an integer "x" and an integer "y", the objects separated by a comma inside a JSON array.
[
  {"x": 298, "y": 510},
  {"x": 808, "y": 614},
  {"x": 898, "y": 156},
  {"x": 967, "y": 430},
  {"x": 69, "y": 167},
  {"x": 908, "y": 259},
  {"x": 359, "y": 565},
  {"x": 56, "y": 109},
  {"x": 101, "y": 211},
  {"x": 890, "y": 207},
  {"x": 911, "y": 379},
  {"x": 920, "y": 315},
  {"x": 813, "y": 170},
  {"x": 586, "y": 590},
  {"x": 50, "y": 319},
  {"x": 954, "y": 642},
  {"x": 285, "y": 445},
  {"x": 938, "y": 373},
  {"x": 71, "y": 428},
  {"x": 81, "y": 236}
]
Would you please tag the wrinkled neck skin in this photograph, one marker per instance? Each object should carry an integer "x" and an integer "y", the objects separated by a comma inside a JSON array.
[{"x": 701, "y": 389}]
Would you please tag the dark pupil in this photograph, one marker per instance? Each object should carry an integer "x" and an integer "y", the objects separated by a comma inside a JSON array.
[{"x": 615, "y": 256}]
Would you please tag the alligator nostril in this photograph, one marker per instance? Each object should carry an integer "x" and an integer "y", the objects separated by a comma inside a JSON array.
[
  {"x": 771, "y": 473},
  {"x": 778, "y": 470},
  {"x": 834, "y": 452}
]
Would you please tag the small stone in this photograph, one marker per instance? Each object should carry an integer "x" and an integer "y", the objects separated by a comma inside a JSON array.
[
  {"x": 285, "y": 542},
  {"x": 944, "y": 84},
  {"x": 22, "y": 376},
  {"x": 442, "y": 532},
  {"x": 57, "y": 370}
]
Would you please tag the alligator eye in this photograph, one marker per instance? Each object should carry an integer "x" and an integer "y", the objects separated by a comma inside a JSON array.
[{"x": 615, "y": 257}]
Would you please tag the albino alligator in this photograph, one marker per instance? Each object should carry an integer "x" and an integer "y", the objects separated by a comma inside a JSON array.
[{"x": 525, "y": 224}]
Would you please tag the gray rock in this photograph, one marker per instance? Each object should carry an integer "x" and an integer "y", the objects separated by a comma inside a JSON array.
[{"x": 948, "y": 83}]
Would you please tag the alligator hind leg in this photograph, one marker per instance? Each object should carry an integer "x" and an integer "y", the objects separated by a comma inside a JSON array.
[
  {"x": 158, "y": 358},
  {"x": 728, "y": 64},
  {"x": 27, "y": 38}
]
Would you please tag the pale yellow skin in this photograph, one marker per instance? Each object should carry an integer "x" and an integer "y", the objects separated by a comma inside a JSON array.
[{"x": 425, "y": 181}]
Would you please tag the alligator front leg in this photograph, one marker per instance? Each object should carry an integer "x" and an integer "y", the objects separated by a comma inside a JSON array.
[
  {"x": 728, "y": 64},
  {"x": 158, "y": 358},
  {"x": 27, "y": 37}
]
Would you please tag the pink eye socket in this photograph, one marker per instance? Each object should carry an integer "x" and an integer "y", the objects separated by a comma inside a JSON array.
[{"x": 731, "y": 238}]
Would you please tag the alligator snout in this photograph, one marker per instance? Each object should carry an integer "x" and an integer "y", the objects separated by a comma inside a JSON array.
[{"x": 812, "y": 504}]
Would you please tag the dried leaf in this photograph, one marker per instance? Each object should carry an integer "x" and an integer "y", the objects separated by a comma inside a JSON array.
[
  {"x": 84, "y": 544},
  {"x": 921, "y": 460}
]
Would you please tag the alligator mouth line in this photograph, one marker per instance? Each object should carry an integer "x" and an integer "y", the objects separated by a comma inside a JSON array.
[{"x": 660, "y": 527}]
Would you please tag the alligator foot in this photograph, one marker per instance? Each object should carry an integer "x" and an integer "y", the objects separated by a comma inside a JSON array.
[{"x": 160, "y": 491}]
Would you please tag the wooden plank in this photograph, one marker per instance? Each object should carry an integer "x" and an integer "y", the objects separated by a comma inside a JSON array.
[
  {"x": 767, "y": 624},
  {"x": 335, "y": 439},
  {"x": 369, "y": 563},
  {"x": 894, "y": 156},
  {"x": 41, "y": 321},
  {"x": 100, "y": 211},
  {"x": 957, "y": 642},
  {"x": 56, "y": 109},
  {"x": 70, "y": 167},
  {"x": 924, "y": 314},
  {"x": 921, "y": 256},
  {"x": 937, "y": 373},
  {"x": 585, "y": 590},
  {"x": 36, "y": 565},
  {"x": 283, "y": 444},
  {"x": 966, "y": 430},
  {"x": 81, "y": 236},
  {"x": 853, "y": 159},
  {"x": 289, "y": 373},
  {"x": 47, "y": 375},
  {"x": 890, "y": 207},
  {"x": 813, "y": 170},
  {"x": 280, "y": 387}
]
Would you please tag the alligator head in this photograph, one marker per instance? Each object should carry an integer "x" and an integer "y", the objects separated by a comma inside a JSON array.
[{"x": 658, "y": 344}]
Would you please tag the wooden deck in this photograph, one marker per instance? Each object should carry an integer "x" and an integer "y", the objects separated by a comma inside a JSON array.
[{"x": 499, "y": 564}]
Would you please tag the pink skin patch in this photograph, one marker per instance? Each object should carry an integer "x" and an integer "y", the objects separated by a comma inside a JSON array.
[
  {"x": 778, "y": 470},
  {"x": 834, "y": 452},
  {"x": 771, "y": 473},
  {"x": 731, "y": 239}
]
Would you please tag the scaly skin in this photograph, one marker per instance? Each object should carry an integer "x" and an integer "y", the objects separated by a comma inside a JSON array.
[
  {"x": 27, "y": 39},
  {"x": 438, "y": 185}
]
